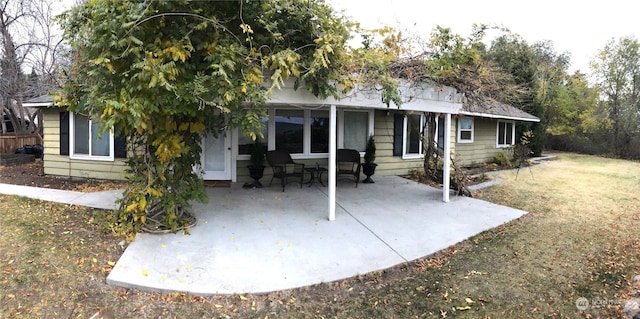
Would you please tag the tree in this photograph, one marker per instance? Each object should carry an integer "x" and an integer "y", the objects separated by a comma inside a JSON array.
[
  {"x": 616, "y": 70},
  {"x": 163, "y": 73},
  {"x": 28, "y": 39},
  {"x": 516, "y": 57}
]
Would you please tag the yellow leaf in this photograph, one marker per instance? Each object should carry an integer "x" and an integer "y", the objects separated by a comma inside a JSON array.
[
  {"x": 111, "y": 263},
  {"x": 468, "y": 300},
  {"x": 243, "y": 298},
  {"x": 131, "y": 207},
  {"x": 95, "y": 261},
  {"x": 145, "y": 272},
  {"x": 218, "y": 306}
]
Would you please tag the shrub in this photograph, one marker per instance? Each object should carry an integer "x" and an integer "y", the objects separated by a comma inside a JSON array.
[{"x": 503, "y": 159}]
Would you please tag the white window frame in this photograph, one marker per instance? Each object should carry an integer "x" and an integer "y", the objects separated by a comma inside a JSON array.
[
  {"x": 460, "y": 130},
  {"x": 341, "y": 125},
  {"x": 513, "y": 134},
  {"x": 406, "y": 155},
  {"x": 306, "y": 146},
  {"x": 89, "y": 157}
]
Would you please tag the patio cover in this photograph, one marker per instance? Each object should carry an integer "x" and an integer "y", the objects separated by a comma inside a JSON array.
[{"x": 425, "y": 98}]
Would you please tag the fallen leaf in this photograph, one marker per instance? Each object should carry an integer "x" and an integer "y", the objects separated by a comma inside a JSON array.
[{"x": 145, "y": 272}]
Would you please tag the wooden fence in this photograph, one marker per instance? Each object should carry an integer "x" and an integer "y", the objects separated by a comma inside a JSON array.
[{"x": 9, "y": 143}]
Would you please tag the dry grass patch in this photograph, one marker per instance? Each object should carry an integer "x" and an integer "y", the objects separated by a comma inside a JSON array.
[{"x": 579, "y": 240}]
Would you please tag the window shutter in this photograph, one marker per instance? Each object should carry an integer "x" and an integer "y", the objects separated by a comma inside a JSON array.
[
  {"x": 120, "y": 146},
  {"x": 398, "y": 127},
  {"x": 64, "y": 133}
]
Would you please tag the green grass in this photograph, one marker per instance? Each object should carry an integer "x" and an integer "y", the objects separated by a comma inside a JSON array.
[{"x": 578, "y": 240}]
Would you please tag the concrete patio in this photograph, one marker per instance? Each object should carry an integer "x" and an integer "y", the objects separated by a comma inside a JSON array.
[{"x": 261, "y": 240}]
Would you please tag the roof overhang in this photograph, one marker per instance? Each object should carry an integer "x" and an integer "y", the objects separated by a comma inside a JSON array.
[
  {"x": 500, "y": 117},
  {"x": 40, "y": 101},
  {"x": 418, "y": 99}
]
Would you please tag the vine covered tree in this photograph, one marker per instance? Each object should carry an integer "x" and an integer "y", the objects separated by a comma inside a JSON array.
[{"x": 163, "y": 73}]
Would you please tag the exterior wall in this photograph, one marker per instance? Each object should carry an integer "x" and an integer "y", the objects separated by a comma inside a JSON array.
[
  {"x": 483, "y": 148},
  {"x": 387, "y": 163},
  {"x": 56, "y": 164}
]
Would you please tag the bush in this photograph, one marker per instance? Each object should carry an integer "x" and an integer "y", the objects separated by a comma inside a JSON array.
[{"x": 503, "y": 159}]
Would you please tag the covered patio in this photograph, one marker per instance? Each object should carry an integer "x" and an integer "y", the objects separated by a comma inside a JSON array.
[{"x": 261, "y": 240}]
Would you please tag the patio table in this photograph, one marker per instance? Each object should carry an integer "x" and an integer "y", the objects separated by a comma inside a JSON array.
[{"x": 316, "y": 174}]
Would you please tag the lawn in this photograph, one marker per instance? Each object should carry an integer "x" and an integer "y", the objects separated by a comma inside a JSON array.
[{"x": 580, "y": 239}]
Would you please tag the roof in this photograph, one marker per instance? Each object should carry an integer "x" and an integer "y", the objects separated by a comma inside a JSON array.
[
  {"x": 491, "y": 108},
  {"x": 42, "y": 100}
]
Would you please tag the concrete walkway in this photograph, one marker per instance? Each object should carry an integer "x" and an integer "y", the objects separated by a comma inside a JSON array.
[{"x": 260, "y": 240}]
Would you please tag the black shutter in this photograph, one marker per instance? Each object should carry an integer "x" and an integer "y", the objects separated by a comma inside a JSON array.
[
  {"x": 64, "y": 133},
  {"x": 398, "y": 128},
  {"x": 120, "y": 146}
]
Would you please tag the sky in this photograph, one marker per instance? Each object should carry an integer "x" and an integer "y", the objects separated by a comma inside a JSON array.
[{"x": 581, "y": 28}]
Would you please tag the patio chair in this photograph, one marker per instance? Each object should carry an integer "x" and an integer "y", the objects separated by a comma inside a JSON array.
[
  {"x": 348, "y": 165},
  {"x": 284, "y": 168}
]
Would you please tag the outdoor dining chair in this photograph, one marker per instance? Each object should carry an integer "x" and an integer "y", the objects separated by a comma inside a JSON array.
[
  {"x": 284, "y": 168},
  {"x": 348, "y": 165}
]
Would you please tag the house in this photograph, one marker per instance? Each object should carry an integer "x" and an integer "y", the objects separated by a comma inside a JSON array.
[
  {"x": 485, "y": 128},
  {"x": 299, "y": 122},
  {"x": 310, "y": 128}
]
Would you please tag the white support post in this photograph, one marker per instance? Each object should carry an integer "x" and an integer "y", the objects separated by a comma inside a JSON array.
[
  {"x": 332, "y": 162},
  {"x": 447, "y": 158}
]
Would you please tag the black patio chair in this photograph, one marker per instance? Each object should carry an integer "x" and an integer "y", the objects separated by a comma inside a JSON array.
[
  {"x": 284, "y": 168},
  {"x": 348, "y": 165}
]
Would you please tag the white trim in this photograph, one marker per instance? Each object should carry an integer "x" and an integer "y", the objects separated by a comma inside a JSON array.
[
  {"x": 459, "y": 130},
  {"x": 88, "y": 157},
  {"x": 513, "y": 134},
  {"x": 446, "y": 169},
  {"x": 494, "y": 116}
]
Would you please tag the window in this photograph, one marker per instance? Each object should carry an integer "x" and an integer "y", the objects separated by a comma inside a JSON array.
[
  {"x": 289, "y": 126},
  {"x": 465, "y": 130},
  {"x": 319, "y": 122},
  {"x": 305, "y": 132},
  {"x": 245, "y": 142},
  {"x": 86, "y": 142},
  {"x": 506, "y": 134},
  {"x": 355, "y": 130},
  {"x": 413, "y": 131}
]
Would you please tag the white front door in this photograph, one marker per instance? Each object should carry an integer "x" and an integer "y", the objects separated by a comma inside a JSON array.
[{"x": 216, "y": 157}]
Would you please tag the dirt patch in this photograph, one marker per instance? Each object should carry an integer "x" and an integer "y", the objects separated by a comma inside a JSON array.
[{"x": 32, "y": 174}]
